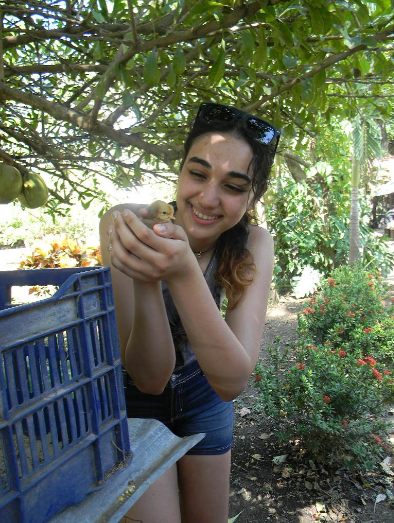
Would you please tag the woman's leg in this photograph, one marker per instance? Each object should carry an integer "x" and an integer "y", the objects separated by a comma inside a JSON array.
[
  {"x": 204, "y": 483},
  {"x": 159, "y": 504}
]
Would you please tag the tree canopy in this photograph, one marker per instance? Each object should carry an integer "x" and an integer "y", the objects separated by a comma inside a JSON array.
[{"x": 95, "y": 88}]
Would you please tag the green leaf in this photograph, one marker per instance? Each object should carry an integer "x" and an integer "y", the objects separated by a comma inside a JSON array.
[
  {"x": 242, "y": 80},
  {"x": 289, "y": 62},
  {"x": 319, "y": 80},
  {"x": 317, "y": 21},
  {"x": 369, "y": 41},
  {"x": 151, "y": 70},
  {"x": 118, "y": 152},
  {"x": 307, "y": 92},
  {"x": 205, "y": 7},
  {"x": 138, "y": 129},
  {"x": 127, "y": 99},
  {"x": 231, "y": 520},
  {"x": 218, "y": 69},
  {"x": 164, "y": 58},
  {"x": 364, "y": 66},
  {"x": 98, "y": 16},
  {"x": 284, "y": 33},
  {"x": 248, "y": 40},
  {"x": 103, "y": 5},
  {"x": 171, "y": 77},
  {"x": 260, "y": 54},
  {"x": 179, "y": 62}
]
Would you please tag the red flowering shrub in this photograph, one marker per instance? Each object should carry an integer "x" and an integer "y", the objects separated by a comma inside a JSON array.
[
  {"x": 334, "y": 395},
  {"x": 351, "y": 315},
  {"x": 329, "y": 400}
]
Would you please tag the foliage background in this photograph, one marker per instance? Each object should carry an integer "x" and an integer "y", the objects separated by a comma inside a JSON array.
[{"x": 96, "y": 95}]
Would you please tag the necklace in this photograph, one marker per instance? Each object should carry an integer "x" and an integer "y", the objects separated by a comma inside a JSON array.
[{"x": 199, "y": 253}]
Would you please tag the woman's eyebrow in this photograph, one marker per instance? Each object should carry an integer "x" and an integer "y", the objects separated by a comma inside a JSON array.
[
  {"x": 201, "y": 161},
  {"x": 204, "y": 163}
]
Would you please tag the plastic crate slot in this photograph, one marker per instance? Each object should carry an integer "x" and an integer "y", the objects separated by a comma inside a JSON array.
[
  {"x": 97, "y": 337},
  {"x": 103, "y": 395},
  {"x": 4, "y": 469},
  {"x": 22, "y": 448}
]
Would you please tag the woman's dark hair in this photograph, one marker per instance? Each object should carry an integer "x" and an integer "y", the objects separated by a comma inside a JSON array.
[{"x": 235, "y": 262}]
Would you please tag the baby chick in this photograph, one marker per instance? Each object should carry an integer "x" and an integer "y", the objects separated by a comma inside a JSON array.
[{"x": 158, "y": 212}]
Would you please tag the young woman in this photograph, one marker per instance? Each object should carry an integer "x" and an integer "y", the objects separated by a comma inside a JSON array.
[{"x": 185, "y": 363}]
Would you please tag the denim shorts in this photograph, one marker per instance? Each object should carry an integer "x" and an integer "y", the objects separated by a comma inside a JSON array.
[{"x": 187, "y": 406}]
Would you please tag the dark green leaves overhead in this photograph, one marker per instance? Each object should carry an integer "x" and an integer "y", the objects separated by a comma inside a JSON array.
[{"x": 92, "y": 88}]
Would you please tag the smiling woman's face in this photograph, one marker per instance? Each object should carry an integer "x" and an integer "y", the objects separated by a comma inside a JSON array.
[{"x": 214, "y": 187}]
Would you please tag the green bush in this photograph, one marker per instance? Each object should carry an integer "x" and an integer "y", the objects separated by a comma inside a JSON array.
[
  {"x": 350, "y": 299},
  {"x": 333, "y": 397},
  {"x": 329, "y": 401}
]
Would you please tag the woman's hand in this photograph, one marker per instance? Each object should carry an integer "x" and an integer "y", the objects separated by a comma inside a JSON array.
[{"x": 148, "y": 255}]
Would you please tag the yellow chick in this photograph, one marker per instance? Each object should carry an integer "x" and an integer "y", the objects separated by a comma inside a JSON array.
[{"x": 158, "y": 212}]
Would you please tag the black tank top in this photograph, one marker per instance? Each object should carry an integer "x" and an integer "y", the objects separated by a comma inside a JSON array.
[{"x": 184, "y": 351}]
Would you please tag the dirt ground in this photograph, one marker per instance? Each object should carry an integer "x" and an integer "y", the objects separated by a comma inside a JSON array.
[{"x": 294, "y": 491}]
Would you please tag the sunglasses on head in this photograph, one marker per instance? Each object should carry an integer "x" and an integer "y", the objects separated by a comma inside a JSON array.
[{"x": 221, "y": 115}]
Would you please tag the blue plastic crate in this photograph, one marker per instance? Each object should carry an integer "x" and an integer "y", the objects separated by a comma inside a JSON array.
[{"x": 63, "y": 425}]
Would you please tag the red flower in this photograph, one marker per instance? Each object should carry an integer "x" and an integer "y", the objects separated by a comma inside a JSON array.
[
  {"x": 386, "y": 372},
  {"x": 345, "y": 423},
  {"x": 370, "y": 283},
  {"x": 331, "y": 282},
  {"x": 312, "y": 301},
  {"x": 369, "y": 329},
  {"x": 377, "y": 375},
  {"x": 350, "y": 313},
  {"x": 361, "y": 362},
  {"x": 379, "y": 440},
  {"x": 300, "y": 366},
  {"x": 326, "y": 300},
  {"x": 321, "y": 308},
  {"x": 308, "y": 310},
  {"x": 326, "y": 399},
  {"x": 341, "y": 329},
  {"x": 309, "y": 347},
  {"x": 258, "y": 377},
  {"x": 370, "y": 276},
  {"x": 342, "y": 353},
  {"x": 370, "y": 361}
]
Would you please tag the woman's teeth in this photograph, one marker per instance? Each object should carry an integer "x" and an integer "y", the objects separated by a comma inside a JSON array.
[{"x": 203, "y": 216}]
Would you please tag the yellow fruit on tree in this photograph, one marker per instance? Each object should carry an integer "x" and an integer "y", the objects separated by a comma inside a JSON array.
[
  {"x": 10, "y": 183},
  {"x": 34, "y": 191}
]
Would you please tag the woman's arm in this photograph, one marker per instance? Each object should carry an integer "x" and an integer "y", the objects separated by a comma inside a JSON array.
[
  {"x": 227, "y": 351},
  {"x": 146, "y": 346}
]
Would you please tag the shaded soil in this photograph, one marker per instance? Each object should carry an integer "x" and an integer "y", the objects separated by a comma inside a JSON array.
[{"x": 296, "y": 491}]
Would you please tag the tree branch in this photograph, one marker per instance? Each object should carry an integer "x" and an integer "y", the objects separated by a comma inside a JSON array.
[
  {"x": 328, "y": 62},
  {"x": 80, "y": 120}
]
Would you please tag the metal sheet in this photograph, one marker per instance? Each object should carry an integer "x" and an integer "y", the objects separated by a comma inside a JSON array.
[{"x": 155, "y": 448}]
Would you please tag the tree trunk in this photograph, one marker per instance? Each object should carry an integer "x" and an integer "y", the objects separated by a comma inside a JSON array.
[{"x": 354, "y": 233}]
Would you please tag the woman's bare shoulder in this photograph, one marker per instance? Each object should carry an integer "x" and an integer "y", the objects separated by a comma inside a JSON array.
[{"x": 259, "y": 235}]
